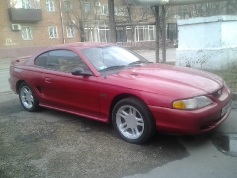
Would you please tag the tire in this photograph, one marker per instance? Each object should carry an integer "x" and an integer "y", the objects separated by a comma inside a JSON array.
[
  {"x": 27, "y": 98},
  {"x": 133, "y": 121}
]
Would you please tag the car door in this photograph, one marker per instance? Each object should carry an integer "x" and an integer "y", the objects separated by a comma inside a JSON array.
[{"x": 61, "y": 89}]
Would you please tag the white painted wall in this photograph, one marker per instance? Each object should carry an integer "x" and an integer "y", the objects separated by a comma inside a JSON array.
[{"x": 207, "y": 42}]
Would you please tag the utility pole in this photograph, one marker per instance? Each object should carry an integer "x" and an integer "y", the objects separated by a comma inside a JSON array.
[
  {"x": 163, "y": 35},
  {"x": 157, "y": 33},
  {"x": 112, "y": 31}
]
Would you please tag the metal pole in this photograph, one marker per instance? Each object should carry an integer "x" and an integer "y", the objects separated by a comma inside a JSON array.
[
  {"x": 157, "y": 33},
  {"x": 112, "y": 30},
  {"x": 163, "y": 35},
  {"x": 62, "y": 23}
]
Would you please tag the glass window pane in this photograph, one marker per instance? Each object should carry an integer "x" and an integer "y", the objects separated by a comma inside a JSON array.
[{"x": 65, "y": 61}]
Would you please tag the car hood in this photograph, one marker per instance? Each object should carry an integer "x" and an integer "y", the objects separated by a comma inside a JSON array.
[{"x": 168, "y": 80}]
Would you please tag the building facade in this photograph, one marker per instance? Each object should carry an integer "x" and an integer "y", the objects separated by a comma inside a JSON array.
[
  {"x": 27, "y": 26},
  {"x": 33, "y": 23}
]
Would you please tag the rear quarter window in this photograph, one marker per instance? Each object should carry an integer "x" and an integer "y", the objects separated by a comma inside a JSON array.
[{"x": 41, "y": 60}]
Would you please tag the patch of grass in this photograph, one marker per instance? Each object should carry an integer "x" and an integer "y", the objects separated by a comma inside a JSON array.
[{"x": 229, "y": 75}]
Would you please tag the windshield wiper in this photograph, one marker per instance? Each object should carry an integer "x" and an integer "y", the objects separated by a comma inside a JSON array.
[
  {"x": 137, "y": 62},
  {"x": 113, "y": 67}
]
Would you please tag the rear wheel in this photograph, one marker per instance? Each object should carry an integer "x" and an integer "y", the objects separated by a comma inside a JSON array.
[
  {"x": 27, "y": 98},
  {"x": 133, "y": 121}
]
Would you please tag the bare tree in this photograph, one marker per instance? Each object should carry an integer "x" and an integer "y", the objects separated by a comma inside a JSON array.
[
  {"x": 204, "y": 9},
  {"x": 81, "y": 13}
]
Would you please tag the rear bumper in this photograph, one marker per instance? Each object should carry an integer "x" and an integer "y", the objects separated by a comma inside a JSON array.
[
  {"x": 190, "y": 122},
  {"x": 12, "y": 84}
]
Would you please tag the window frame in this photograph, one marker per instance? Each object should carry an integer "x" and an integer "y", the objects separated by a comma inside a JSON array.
[
  {"x": 67, "y": 6},
  {"x": 28, "y": 33},
  {"x": 50, "y": 5},
  {"x": 87, "y": 7},
  {"x": 70, "y": 31},
  {"x": 104, "y": 9},
  {"x": 26, "y": 4},
  {"x": 46, "y": 60},
  {"x": 56, "y": 64},
  {"x": 61, "y": 59},
  {"x": 55, "y": 32}
]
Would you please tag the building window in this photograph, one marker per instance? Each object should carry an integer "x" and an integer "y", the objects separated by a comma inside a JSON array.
[
  {"x": 53, "y": 32},
  {"x": 120, "y": 11},
  {"x": 70, "y": 31},
  {"x": 50, "y": 5},
  {"x": 67, "y": 6},
  {"x": 26, "y": 4},
  {"x": 87, "y": 7},
  {"x": 103, "y": 34},
  {"x": 145, "y": 33},
  {"x": 121, "y": 34},
  {"x": 26, "y": 33},
  {"x": 172, "y": 31},
  {"x": 104, "y": 9}
]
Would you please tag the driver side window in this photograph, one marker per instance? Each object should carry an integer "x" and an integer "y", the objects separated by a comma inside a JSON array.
[{"x": 65, "y": 61}]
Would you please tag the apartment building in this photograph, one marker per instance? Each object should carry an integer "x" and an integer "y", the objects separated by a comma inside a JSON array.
[
  {"x": 28, "y": 23},
  {"x": 27, "y": 26}
]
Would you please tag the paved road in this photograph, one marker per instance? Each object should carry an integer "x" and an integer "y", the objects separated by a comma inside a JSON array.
[
  {"x": 54, "y": 144},
  {"x": 4, "y": 74},
  {"x": 150, "y": 54}
]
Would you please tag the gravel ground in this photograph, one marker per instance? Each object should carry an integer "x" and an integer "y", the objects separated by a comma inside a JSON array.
[{"x": 54, "y": 144}]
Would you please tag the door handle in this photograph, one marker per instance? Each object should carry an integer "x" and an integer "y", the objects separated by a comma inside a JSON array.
[{"x": 47, "y": 80}]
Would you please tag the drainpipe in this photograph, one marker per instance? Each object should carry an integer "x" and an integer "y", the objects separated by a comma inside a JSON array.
[{"x": 62, "y": 23}]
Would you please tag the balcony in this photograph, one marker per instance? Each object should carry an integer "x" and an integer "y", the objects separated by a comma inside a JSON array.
[{"x": 24, "y": 15}]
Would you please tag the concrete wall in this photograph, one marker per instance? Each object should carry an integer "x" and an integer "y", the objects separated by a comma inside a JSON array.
[{"x": 207, "y": 42}]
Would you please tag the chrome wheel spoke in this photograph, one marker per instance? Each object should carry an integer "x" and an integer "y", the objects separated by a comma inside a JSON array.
[
  {"x": 25, "y": 90},
  {"x": 130, "y": 122},
  {"x": 140, "y": 122},
  {"x": 26, "y": 96},
  {"x": 32, "y": 99},
  {"x": 132, "y": 111},
  {"x": 123, "y": 114},
  {"x": 135, "y": 131},
  {"x": 124, "y": 128},
  {"x": 23, "y": 98}
]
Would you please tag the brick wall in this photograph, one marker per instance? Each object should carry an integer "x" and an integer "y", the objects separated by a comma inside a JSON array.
[{"x": 13, "y": 39}]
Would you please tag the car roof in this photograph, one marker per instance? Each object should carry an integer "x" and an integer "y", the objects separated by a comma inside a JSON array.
[{"x": 79, "y": 45}]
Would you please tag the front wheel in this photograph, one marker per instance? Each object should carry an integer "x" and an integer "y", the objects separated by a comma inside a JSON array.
[
  {"x": 27, "y": 98},
  {"x": 133, "y": 121}
]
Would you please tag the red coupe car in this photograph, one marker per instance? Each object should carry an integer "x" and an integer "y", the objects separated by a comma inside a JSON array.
[{"x": 108, "y": 83}]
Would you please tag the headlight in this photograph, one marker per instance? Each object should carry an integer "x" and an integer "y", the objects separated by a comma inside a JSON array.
[
  {"x": 225, "y": 84},
  {"x": 192, "y": 103}
]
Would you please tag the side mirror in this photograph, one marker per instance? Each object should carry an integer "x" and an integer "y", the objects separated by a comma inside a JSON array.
[{"x": 81, "y": 71}]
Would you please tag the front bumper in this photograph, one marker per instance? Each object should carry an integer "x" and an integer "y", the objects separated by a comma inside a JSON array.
[{"x": 191, "y": 122}]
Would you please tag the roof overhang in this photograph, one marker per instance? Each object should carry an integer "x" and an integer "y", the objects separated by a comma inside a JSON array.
[{"x": 168, "y": 2}]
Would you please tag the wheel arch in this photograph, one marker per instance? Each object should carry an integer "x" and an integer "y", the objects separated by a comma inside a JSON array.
[
  {"x": 121, "y": 96},
  {"x": 18, "y": 85}
]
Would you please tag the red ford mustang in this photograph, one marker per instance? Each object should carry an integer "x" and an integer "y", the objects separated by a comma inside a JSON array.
[{"x": 108, "y": 83}]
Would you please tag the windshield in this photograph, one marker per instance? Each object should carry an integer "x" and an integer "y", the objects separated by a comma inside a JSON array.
[{"x": 111, "y": 57}]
